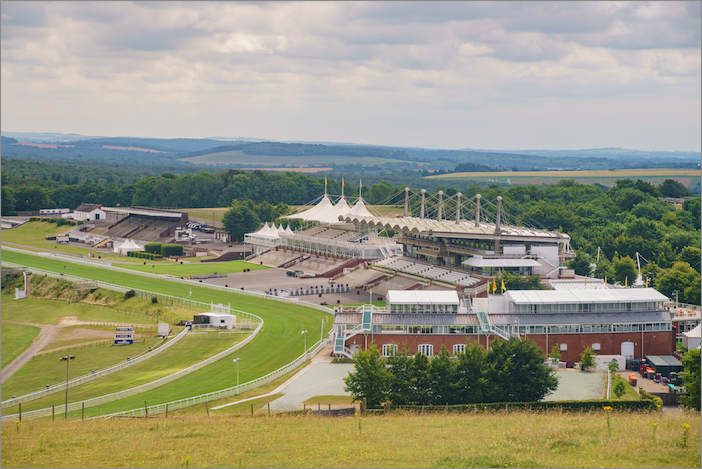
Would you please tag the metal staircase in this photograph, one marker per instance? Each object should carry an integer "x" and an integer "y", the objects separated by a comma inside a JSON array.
[
  {"x": 365, "y": 326},
  {"x": 488, "y": 328}
]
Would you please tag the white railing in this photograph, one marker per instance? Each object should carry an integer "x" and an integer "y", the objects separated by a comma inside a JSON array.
[
  {"x": 169, "y": 279},
  {"x": 35, "y": 414},
  {"x": 222, "y": 394},
  {"x": 609, "y": 383},
  {"x": 93, "y": 376}
]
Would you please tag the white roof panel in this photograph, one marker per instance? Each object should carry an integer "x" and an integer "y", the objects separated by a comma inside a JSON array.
[
  {"x": 478, "y": 262},
  {"x": 624, "y": 295},
  {"x": 422, "y": 297}
]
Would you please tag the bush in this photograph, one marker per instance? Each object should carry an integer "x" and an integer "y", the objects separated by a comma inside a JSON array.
[
  {"x": 154, "y": 299},
  {"x": 153, "y": 248},
  {"x": 170, "y": 250},
  {"x": 129, "y": 294},
  {"x": 619, "y": 388}
]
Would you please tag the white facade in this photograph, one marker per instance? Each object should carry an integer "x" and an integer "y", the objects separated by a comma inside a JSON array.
[
  {"x": 90, "y": 212},
  {"x": 691, "y": 339}
]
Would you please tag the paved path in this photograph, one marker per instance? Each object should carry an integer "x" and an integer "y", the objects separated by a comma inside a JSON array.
[
  {"x": 45, "y": 337},
  {"x": 306, "y": 383}
]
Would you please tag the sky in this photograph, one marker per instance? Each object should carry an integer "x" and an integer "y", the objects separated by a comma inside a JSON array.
[{"x": 489, "y": 75}]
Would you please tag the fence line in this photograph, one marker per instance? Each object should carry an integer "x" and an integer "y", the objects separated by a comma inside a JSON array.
[
  {"x": 217, "y": 395},
  {"x": 182, "y": 281},
  {"x": 193, "y": 304},
  {"x": 139, "y": 389},
  {"x": 95, "y": 375}
]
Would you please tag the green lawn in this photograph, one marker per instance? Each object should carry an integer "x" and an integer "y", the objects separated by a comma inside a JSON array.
[
  {"x": 16, "y": 338},
  {"x": 46, "y": 370},
  {"x": 50, "y": 311},
  {"x": 187, "y": 270},
  {"x": 278, "y": 344}
]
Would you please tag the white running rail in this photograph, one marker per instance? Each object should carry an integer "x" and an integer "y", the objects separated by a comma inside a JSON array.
[
  {"x": 161, "y": 277},
  {"x": 35, "y": 414},
  {"x": 222, "y": 394},
  {"x": 93, "y": 376}
]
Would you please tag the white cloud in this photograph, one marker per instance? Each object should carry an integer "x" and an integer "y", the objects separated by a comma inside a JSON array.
[{"x": 474, "y": 49}]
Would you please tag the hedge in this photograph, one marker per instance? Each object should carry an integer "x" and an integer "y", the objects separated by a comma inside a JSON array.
[
  {"x": 58, "y": 221},
  {"x": 153, "y": 248},
  {"x": 170, "y": 250},
  {"x": 144, "y": 255},
  {"x": 568, "y": 406}
]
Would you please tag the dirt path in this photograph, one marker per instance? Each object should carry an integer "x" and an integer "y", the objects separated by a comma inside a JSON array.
[
  {"x": 47, "y": 334},
  {"x": 45, "y": 337}
]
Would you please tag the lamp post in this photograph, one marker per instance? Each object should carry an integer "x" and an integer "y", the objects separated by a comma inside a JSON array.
[
  {"x": 236, "y": 360},
  {"x": 305, "y": 334},
  {"x": 67, "y": 359}
]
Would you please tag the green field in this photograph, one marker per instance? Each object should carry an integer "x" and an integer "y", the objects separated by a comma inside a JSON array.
[
  {"x": 47, "y": 370},
  {"x": 604, "y": 177},
  {"x": 186, "y": 270},
  {"x": 16, "y": 338},
  {"x": 50, "y": 311},
  {"x": 476, "y": 439},
  {"x": 238, "y": 157},
  {"x": 278, "y": 344}
]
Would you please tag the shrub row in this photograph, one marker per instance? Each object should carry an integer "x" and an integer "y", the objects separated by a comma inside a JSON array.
[
  {"x": 144, "y": 255},
  {"x": 645, "y": 395},
  {"x": 58, "y": 221},
  {"x": 569, "y": 406},
  {"x": 153, "y": 248}
]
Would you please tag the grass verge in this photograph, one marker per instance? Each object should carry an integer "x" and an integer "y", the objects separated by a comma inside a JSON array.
[
  {"x": 16, "y": 338},
  {"x": 476, "y": 439}
]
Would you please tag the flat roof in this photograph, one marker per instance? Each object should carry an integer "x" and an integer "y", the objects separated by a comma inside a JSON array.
[
  {"x": 146, "y": 213},
  {"x": 578, "y": 318},
  {"x": 663, "y": 360},
  {"x": 623, "y": 295},
  {"x": 388, "y": 319},
  {"x": 480, "y": 262},
  {"x": 422, "y": 297}
]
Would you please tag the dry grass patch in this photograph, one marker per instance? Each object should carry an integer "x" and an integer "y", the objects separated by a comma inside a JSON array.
[{"x": 520, "y": 439}]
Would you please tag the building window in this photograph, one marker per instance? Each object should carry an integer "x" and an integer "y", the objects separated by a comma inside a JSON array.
[
  {"x": 389, "y": 350},
  {"x": 595, "y": 346},
  {"x": 459, "y": 348},
  {"x": 426, "y": 349},
  {"x": 564, "y": 347}
]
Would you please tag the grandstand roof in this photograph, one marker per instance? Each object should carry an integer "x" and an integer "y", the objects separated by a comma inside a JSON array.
[
  {"x": 326, "y": 212},
  {"x": 144, "y": 212},
  {"x": 624, "y": 295},
  {"x": 422, "y": 297},
  {"x": 448, "y": 228}
]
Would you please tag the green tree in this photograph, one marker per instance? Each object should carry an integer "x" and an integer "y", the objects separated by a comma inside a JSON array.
[
  {"x": 691, "y": 375},
  {"x": 517, "y": 282},
  {"x": 400, "y": 369},
  {"x": 520, "y": 373},
  {"x": 587, "y": 358},
  {"x": 619, "y": 388},
  {"x": 239, "y": 220},
  {"x": 691, "y": 255},
  {"x": 580, "y": 264},
  {"x": 442, "y": 378},
  {"x": 370, "y": 378},
  {"x": 672, "y": 188},
  {"x": 604, "y": 269},
  {"x": 420, "y": 383},
  {"x": 625, "y": 270},
  {"x": 473, "y": 374},
  {"x": 683, "y": 279},
  {"x": 555, "y": 352}
]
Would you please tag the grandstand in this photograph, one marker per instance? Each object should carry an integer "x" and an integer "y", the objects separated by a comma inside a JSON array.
[
  {"x": 140, "y": 224},
  {"x": 426, "y": 271}
]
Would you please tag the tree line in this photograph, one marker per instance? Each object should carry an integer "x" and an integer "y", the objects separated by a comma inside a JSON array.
[{"x": 510, "y": 371}]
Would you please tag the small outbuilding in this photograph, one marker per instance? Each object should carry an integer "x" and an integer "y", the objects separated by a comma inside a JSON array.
[
  {"x": 220, "y": 320},
  {"x": 664, "y": 364},
  {"x": 691, "y": 339},
  {"x": 88, "y": 212}
]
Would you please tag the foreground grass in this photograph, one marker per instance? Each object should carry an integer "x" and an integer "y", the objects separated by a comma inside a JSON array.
[
  {"x": 549, "y": 439},
  {"x": 16, "y": 338}
]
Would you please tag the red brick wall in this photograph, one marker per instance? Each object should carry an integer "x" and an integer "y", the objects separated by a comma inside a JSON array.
[{"x": 654, "y": 343}]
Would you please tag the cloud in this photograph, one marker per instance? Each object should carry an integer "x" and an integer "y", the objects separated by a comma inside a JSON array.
[{"x": 325, "y": 60}]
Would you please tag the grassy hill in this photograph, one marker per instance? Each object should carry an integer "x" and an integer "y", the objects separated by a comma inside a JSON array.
[{"x": 238, "y": 157}]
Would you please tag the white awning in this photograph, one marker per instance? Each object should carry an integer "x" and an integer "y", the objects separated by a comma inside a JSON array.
[
  {"x": 624, "y": 295},
  {"x": 422, "y": 297}
]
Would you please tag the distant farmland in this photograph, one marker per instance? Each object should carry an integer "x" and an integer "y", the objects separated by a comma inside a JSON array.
[
  {"x": 239, "y": 157},
  {"x": 604, "y": 177}
]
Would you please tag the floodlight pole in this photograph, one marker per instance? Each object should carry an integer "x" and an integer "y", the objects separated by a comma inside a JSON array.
[
  {"x": 67, "y": 359},
  {"x": 305, "y": 334},
  {"x": 236, "y": 360}
]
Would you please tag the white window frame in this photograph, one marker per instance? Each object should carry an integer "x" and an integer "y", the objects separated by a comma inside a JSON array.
[
  {"x": 564, "y": 347},
  {"x": 459, "y": 348},
  {"x": 596, "y": 346},
  {"x": 387, "y": 348},
  {"x": 426, "y": 349}
]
